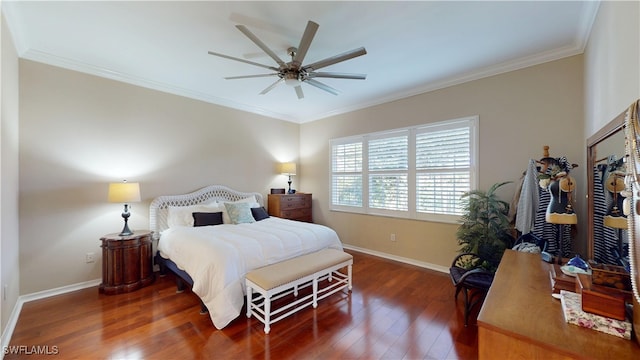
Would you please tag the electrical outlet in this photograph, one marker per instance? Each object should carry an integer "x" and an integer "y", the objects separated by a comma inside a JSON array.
[
  {"x": 90, "y": 258},
  {"x": 392, "y": 237}
]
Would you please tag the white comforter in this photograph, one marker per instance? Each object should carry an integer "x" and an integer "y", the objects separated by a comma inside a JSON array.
[{"x": 218, "y": 257}]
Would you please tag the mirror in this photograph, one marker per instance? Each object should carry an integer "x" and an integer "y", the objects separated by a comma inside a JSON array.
[
  {"x": 607, "y": 233},
  {"x": 609, "y": 141}
]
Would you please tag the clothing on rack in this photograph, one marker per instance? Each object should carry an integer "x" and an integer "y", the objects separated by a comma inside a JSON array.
[
  {"x": 513, "y": 205},
  {"x": 529, "y": 200}
]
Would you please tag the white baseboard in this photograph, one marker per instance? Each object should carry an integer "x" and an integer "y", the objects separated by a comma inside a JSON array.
[
  {"x": 11, "y": 325},
  {"x": 401, "y": 259},
  {"x": 13, "y": 318},
  {"x": 58, "y": 291}
]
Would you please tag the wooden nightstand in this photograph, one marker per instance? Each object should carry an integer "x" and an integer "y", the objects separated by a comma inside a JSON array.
[
  {"x": 126, "y": 262},
  {"x": 291, "y": 206}
]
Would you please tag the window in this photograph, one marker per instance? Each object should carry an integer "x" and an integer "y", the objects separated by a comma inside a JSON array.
[
  {"x": 347, "y": 169},
  {"x": 418, "y": 172}
]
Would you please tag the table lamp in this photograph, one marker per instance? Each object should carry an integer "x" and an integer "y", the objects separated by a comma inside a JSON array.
[
  {"x": 126, "y": 193},
  {"x": 290, "y": 170}
]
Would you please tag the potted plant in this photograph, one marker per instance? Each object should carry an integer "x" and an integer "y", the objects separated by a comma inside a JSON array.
[{"x": 485, "y": 229}]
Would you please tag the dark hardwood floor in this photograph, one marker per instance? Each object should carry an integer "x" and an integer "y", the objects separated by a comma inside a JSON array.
[{"x": 396, "y": 311}]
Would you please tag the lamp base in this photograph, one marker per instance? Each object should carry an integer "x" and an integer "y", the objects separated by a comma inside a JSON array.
[
  {"x": 126, "y": 231},
  {"x": 125, "y": 215},
  {"x": 290, "y": 191}
]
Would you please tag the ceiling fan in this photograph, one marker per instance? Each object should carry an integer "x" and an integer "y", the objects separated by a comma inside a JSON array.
[{"x": 294, "y": 73}]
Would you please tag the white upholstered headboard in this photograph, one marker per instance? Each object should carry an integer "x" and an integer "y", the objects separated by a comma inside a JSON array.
[{"x": 158, "y": 209}]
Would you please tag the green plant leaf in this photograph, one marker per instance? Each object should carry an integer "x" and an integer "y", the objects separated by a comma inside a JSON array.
[{"x": 485, "y": 229}]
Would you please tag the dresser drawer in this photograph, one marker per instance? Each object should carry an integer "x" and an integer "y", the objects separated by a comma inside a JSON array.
[
  {"x": 294, "y": 202},
  {"x": 295, "y": 214}
]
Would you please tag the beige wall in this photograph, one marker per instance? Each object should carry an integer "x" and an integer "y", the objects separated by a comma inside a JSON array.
[
  {"x": 9, "y": 267},
  {"x": 612, "y": 63},
  {"x": 519, "y": 112},
  {"x": 80, "y": 132}
]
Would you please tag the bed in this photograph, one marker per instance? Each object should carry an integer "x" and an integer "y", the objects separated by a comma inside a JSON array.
[{"x": 210, "y": 240}]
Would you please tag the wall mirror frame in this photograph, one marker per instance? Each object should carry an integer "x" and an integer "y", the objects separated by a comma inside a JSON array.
[{"x": 607, "y": 141}]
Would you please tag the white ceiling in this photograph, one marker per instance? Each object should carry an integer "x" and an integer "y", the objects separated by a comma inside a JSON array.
[{"x": 413, "y": 46}]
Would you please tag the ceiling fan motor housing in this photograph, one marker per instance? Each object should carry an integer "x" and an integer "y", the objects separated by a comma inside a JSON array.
[{"x": 291, "y": 77}]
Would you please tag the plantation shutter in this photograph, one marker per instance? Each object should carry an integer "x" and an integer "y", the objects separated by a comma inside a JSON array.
[
  {"x": 443, "y": 168},
  {"x": 388, "y": 171},
  {"x": 346, "y": 176}
]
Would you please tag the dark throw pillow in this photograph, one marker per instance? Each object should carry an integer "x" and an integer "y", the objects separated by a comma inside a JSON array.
[
  {"x": 259, "y": 213},
  {"x": 207, "y": 218}
]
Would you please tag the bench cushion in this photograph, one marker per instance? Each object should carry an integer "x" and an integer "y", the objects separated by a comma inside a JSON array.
[{"x": 284, "y": 272}]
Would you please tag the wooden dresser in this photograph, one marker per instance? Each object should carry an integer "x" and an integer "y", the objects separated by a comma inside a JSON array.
[
  {"x": 291, "y": 206},
  {"x": 520, "y": 320},
  {"x": 126, "y": 262}
]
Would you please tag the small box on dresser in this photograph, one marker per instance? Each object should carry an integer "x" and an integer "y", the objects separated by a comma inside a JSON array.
[
  {"x": 602, "y": 300},
  {"x": 291, "y": 206}
]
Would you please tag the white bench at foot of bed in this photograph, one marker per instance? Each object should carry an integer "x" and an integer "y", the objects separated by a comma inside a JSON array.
[{"x": 278, "y": 280}]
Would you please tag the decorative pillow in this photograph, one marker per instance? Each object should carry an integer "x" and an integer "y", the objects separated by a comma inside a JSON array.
[
  {"x": 182, "y": 215},
  {"x": 251, "y": 200},
  {"x": 207, "y": 218},
  {"x": 259, "y": 213},
  {"x": 239, "y": 212}
]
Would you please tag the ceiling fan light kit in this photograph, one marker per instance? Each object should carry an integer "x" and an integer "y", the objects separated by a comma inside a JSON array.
[{"x": 293, "y": 73}]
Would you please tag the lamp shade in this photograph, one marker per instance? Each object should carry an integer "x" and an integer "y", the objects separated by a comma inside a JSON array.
[
  {"x": 288, "y": 168},
  {"x": 124, "y": 192}
]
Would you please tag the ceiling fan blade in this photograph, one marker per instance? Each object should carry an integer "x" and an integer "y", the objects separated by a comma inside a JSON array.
[
  {"x": 260, "y": 44},
  {"x": 305, "y": 42},
  {"x": 322, "y": 86},
  {"x": 249, "y": 76},
  {"x": 299, "y": 92},
  {"x": 271, "y": 86},
  {"x": 244, "y": 61},
  {"x": 335, "y": 75},
  {"x": 335, "y": 59}
]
